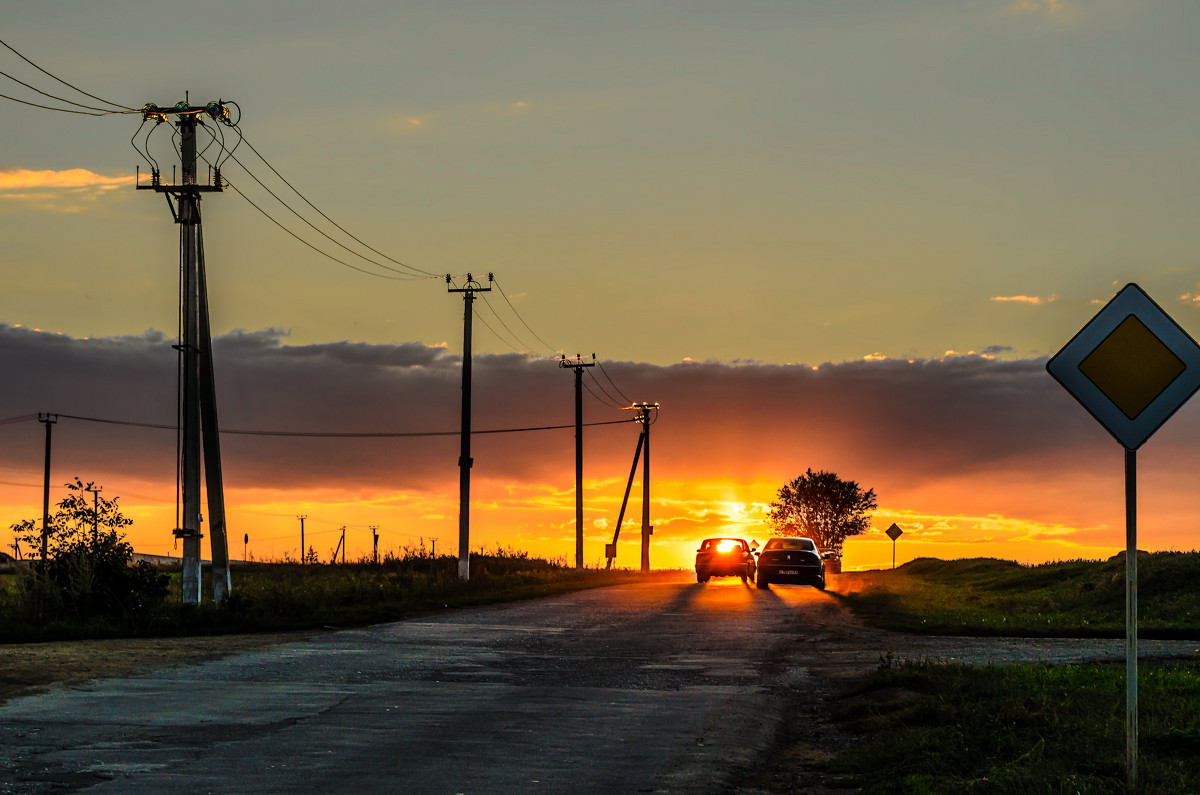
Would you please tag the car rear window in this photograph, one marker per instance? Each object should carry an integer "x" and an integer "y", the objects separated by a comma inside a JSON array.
[{"x": 791, "y": 543}]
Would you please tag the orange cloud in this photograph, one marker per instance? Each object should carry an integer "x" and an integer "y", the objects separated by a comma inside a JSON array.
[
  {"x": 69, "y": 190},
  {"x": 1025, "y": 299}
]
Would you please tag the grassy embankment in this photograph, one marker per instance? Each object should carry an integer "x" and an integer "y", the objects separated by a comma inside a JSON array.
[
  {"x": 942, "y": 727},
  {"x": 273, "y": 597},
  {"x": 985, "y": 596}
]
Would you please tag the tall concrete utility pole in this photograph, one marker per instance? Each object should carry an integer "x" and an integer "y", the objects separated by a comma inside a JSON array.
[
  {"x": 464, "y": 456},
  {"x": 48, "y": 420},
  {"x": 199, "y": 432},
  {"x": 578, "y": 366}
]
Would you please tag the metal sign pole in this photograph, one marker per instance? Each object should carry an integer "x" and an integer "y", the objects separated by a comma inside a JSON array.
[{"x": 1131, "y": 653}]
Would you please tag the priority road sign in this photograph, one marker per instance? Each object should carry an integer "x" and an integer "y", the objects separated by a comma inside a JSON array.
[
  {"x": 893, "y": 533},
  {"x": 1131, "y": 367}
]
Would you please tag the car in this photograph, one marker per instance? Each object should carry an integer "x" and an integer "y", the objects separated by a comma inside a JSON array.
[
  {"x": 725, "y": 557},
  {"x": 791, "y": 559}
]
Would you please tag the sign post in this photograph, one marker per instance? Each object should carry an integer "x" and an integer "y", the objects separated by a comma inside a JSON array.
[
  {"x": 1131, "y": 367},
  {"x": 893, "y": 533}
]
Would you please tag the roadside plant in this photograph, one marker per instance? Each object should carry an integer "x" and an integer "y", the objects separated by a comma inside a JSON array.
[{"x": 87, "y": 572}]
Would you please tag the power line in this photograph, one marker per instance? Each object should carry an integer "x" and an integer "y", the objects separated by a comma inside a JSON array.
[
  {"x": 310, "y": 245},
  {"x": 614, "y": 386},
  {"x": 65, "y": 83},
  {"x": 521, "y": 350},
  {"x": 60, "y": 110},
  {"x": 413, "y": 273},
  {"x": 612, "y": 401},
  {"x": 606, "y": 400},
  {"x": 313, "y": 434},
  {"x": 548, "y": 346},
  {"x": 103, "y": 111},
  {"x": 242, "y": 138}
]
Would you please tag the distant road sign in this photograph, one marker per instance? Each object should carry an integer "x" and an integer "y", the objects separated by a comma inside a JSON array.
[
  {"x": 1131, "y": 367},
  {"x": 894, "y": 531}
]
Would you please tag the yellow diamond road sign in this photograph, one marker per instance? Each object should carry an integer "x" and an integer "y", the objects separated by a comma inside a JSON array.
[{"x": 1131, "y": 366}]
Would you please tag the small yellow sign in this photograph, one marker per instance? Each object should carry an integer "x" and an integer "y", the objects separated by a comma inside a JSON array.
[{"x": 1132, "y": 367}]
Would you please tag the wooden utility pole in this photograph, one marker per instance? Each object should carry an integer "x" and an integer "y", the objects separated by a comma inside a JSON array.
[
  {"x": 48, "y": 420},
  {"x": 303, "y": 549},
  {"x": 199, "y": 431},
  {"x": 578, "y": 366},
  {"x": 95, "y": 490},
  {"x": 610, "y": 551},
  {"x": 647, "y": 528},
  {"x": 464, "y": 456}
]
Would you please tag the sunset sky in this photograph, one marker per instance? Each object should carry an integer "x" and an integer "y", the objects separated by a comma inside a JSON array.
[{"x": 843, "y": 236}]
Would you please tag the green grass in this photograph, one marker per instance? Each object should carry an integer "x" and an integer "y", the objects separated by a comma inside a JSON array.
[
  {"x": 271, "y": 597},
  {"x": 985, "y": 596},
  {"x": 939, "y": 727}
]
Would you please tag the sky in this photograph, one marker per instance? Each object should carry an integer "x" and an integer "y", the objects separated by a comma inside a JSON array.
[{"x": 843, "y": 236}]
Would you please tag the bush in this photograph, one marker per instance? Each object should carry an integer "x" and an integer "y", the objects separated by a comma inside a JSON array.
[{"x": 87, "y": 574}]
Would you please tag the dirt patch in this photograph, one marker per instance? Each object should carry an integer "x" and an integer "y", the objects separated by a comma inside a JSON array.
[{"x": 29, "y": 668}]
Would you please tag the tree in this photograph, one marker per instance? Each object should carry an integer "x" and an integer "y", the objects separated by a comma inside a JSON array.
[
  {"x": 87, "y": 570},
  {"x": 823, "y": 507}
]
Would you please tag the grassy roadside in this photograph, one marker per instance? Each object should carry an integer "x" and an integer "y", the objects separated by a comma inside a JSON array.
[
  {"x": 985, "y": 596},
  {"x": 283, "y": 597},
  {"x": 930, "y": 727},
  {"x": 933, "y": 727}
]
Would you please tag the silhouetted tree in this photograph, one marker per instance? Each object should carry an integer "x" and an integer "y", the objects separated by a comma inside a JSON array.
[
  {"x": 87, "y": 571},
  {"x": 823, "y": 507}
]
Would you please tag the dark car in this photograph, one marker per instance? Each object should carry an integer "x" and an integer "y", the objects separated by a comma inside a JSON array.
[
  {"x": 725, "y": 557},
  {"x": 791, "y": 560}
]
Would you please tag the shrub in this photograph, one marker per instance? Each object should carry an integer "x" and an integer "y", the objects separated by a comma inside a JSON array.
[{"x": 87, "y": 573}]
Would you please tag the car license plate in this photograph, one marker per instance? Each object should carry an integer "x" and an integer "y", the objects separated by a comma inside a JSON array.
[{"x": 789, "y": 571}]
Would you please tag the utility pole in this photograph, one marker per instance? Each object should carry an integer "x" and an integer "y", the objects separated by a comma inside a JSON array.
[
  {"x": 578, "y": 366},
  {"x": 95, "y": 490},
  {"x": 303, "y": 549},
  {"x": 610, "y": 550},
  {"x": 464, "y": 457},
  {"x": 48, "y": 420},
  {"x": 647, "y": 528},
  {"x": 198, "y": 409},
  {"x": 374, "y": 544}
]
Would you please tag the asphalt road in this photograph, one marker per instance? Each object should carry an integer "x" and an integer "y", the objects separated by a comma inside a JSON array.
[{"x": 657, "y": 687}]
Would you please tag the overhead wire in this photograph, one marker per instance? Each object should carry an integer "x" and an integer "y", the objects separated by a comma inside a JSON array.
[
  {"x": 237, "y": 128},
  {"x": 607, "y": 402},
  {"x": 101, "y": 111},
  {"x": 523, "y": 348},
  {"x": 548, "y": 346},
  {"x": 48, "y": 107},
  {"x": 65, "y": 83},
  {"x": 310, "y": 245},
  {"x": 400, "y": 274},
  {"x": 320, "y": 434},
  {"x": 614, "y": 385},
  {"x": 612, "y": 401}
]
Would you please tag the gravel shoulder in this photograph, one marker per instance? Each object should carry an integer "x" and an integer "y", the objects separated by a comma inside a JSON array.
[{"x": 28, "y": 668}]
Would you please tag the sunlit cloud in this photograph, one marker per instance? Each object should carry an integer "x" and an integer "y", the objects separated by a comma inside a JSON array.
[
  {"x": 1025, "y": 299},
  {"x": 459, "y": 118},
  {"x": 1058, "y": 11},
  {"x": 70, "y": 190}
]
